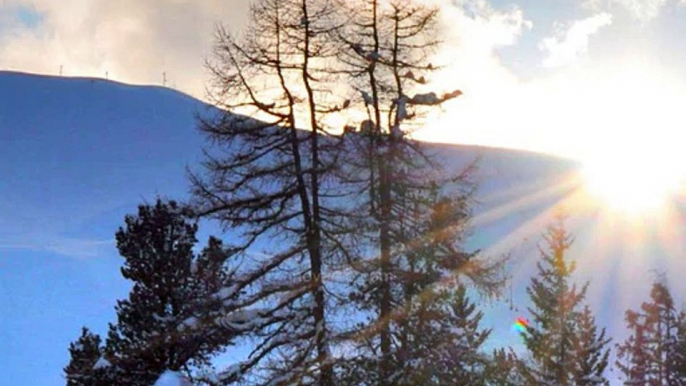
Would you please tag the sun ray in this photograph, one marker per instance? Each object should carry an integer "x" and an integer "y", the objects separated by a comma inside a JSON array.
[
  {"x": 553, "y": 189},
  {"x": 528, "y": 230}
]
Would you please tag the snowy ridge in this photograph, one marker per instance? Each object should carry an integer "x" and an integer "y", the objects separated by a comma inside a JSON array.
[{"x": 81, "y": 153}]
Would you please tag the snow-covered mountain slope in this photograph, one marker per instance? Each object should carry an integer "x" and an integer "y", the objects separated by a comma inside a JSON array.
[{"x": 77, "y": 154}]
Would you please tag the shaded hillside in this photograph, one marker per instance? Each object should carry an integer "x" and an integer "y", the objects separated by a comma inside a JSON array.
[{"x": 78, "y": 154}]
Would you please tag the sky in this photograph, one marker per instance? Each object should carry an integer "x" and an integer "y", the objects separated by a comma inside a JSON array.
[{"x": 567, "y": 77}]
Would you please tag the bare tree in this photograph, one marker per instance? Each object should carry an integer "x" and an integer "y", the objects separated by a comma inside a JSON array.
[
  {"x": 387, "y": 51},
  {"x": 267, "y": 176},
  {"x": 318, "y": 198}
]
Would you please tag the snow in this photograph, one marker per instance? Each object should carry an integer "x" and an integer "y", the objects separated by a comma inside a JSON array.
[
  {"x": 243, "y": 319},
  {"x": 367, "y": 98},
  {"x": 95, "y": 147},
  {"x": 191, "y": 323},
  {"x": 431, "y": 98},
  {"x": 171, "y": 378},
  {"x": 396, "y": 132},
  {"x": 226, "y": 292},
  {"x": 102, "y": 363},
  {"x": 425, "y": 99},
  {"x": 162, "y": 319},
  {"x": 210, "y": 376},
  {"x": 402, "y": 108},
  {"x": 373, "y": 56},
  {"x": 230, "y": 371},
  {"x": 126, "y": 116}
]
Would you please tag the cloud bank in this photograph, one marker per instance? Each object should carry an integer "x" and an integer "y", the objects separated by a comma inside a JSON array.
[
  {"x": 131, "y": 41},
  {"x": 643, "y": 11},
  {"x": 572, "y": 44}
]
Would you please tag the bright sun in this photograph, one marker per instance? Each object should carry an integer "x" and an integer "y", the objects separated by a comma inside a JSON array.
[
  {"x": 632, "y": 183},
  {"x": 624, "y": 120},
  {"x": 633, "y": 160}
]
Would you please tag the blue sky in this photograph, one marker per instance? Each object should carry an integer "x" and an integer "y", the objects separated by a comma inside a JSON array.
[{"x": 28, "y": 16}]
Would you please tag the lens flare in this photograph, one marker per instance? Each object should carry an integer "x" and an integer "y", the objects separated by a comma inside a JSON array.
[{"x": 521, "y": 325}]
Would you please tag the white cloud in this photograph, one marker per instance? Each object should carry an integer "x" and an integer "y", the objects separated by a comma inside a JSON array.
[
  {"x": 641, "y": 10},
  {"x": 64, "y": 246},
  {"x": 473, "y": 32},
  {"x": 478, "y": 23},
  {"x": 572, "y": 43},
  {"x": 576, "y": 111},
  {"x": 593, "y": 5},
  {"x": 134, "y": 41}
]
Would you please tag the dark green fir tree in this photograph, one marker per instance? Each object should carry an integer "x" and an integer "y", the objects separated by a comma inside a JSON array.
[
  {"x": 86, "y": 363},
  {"x": 167, "y": 322},
  {"x": 156, "y": 327},
  {"x": 563, "y": 341},
  {"x": 591, "y": 355}
]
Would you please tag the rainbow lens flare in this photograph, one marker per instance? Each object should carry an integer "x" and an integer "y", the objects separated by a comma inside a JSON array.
[{"x": 521, "y": 325}]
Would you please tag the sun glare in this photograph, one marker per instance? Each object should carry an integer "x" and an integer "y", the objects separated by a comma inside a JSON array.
[
  {"x": 632, "y": 184},
  {"x": 634, "y": 163},
  {"x": 622, "y": 119}
]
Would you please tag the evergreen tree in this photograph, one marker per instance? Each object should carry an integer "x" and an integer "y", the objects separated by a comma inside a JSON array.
[
  {"x": 85, "y": 353},
  {"x": 156, "y": 327},
  {"x": 455, "y": 356},
  {"x": 504, "y": 369},
  {"x": 590, "y": 353},
  {"x": 651, "y": 355},
  {"x": 678, "y": 360},
  {"x": 633, "y": 352},
  {"x": 439, "y": 328},
  {"x": 562, "y": 343},
  {"x": 413, "y": 236}
]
